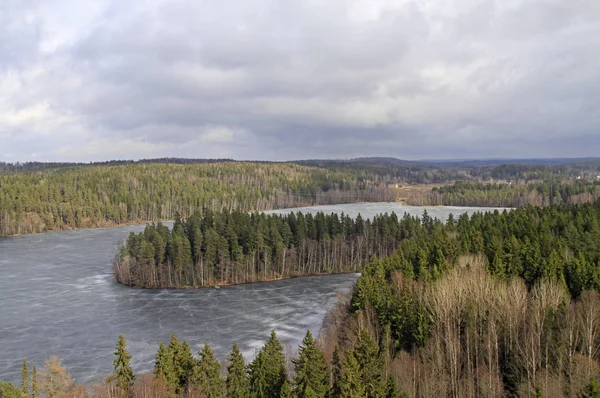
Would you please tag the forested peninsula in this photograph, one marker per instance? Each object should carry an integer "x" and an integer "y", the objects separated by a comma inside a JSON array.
[{"x": 219, "y": 248}]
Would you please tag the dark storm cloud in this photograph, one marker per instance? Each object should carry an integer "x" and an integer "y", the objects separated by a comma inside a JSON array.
[{"x": 269, "y": 80}]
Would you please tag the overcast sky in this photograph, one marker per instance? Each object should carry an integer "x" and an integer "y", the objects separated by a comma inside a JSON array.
[{"x": 270, "y": 79}]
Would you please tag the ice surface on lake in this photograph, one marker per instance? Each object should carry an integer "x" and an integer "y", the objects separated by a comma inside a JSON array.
[{"x": 57, "y": 296}]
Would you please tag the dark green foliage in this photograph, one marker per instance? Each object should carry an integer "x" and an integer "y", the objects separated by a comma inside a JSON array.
[
  {"x": 370, "y": 365},
  {"x": 267, "y": 371},
  {"x": 391, "y": 388},
  {"x": 235, "y": 247},
  {"x": 207, "y": 374},
  {"x": 238, "y": 385},
  {"x": 353, "y": 385},
  {"x": 286, "y": 391},
  {"x": 257, "y": 375},
  {"x": 163, "y": 367},
  {"x": 184, "y": 363},
  {"x": 76, "y": 197},
  {"x": 337, "y": 374},
  {"x": 122, "y": 369},
  {"x": 312, "y": 373}
]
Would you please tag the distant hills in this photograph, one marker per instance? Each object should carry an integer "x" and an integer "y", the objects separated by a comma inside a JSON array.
[{"x": 436, "y": 163}]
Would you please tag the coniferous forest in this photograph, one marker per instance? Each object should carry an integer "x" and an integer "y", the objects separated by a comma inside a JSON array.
[
  {"x": 227, "y": 248},
  {"x": 495, "y": 304},
  {"x": 39, "y": 197}
]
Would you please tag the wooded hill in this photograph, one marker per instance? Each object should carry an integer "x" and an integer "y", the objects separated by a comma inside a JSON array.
[
  {"x": 37, "y": 197},
  {"x": 67, "y": 198},
  {"x": 464, "y": 193}
]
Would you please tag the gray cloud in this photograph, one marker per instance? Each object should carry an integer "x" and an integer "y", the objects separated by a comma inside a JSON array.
[{"x": 263, "y": 79}]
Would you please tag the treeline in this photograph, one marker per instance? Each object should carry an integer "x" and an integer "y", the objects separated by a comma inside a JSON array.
[
  {"x": 218, "y": 248},
  {"x": 463, "y": 193},
  {"x": 497, "y": 304},
  {"x": 77, "y": 197},
  {"x": 177, "y": 373}
]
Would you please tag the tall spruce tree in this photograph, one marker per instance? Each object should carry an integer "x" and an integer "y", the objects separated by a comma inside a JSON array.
[
  {"x": 352, "y": 385},
  {"x": 184, "y": 363},
  {"x": 25, "y": 382},
  {"x": 369, "y": 361},
  {"x": 312, "y": 374},
  {"x": 123, "y": 372},
  {"x": 286, "y": 390},
  {"x": 237, "y": 379},
  {"x": 207, "y": 374},
  {"x": 257, "y": 377},
  {"x": 337, "y": 374},
  {"x": 275, "y": 365},
  {"x": 35, "y": 386},
  {"x": 163, "y": 367}
]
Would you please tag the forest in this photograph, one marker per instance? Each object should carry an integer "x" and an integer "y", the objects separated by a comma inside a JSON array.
[
  {"x": 40, "y": 197},
  {"x": 96, "y": 196},
  {"x": 495, "y": 304},
  {"x": 463, "y": 193},
  {"x": 220, "y": 248}
]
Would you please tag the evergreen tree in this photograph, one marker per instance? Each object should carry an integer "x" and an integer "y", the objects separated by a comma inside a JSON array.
[
  {"x": 123, "y": 372},
  {"x": 35, "y": 387},
  {"x": 25, "y": 379},
  {"x": 352, "y": 386},
  {"x": 184, "y": 363},
  {"x": 237, "y": 379},
  {"x": 337, "y": 374},
  {"x": 7, "y": 390},
  {"x": 163, "y": 367},
  {"x": 257, "y": 377},
  {"x": 275, "y": 365},
  {"x": 207, "y": 374},
  {"x": 286, "y": 391},
  {"x": 369, "y": 362},
  {"x": 312, "y": 375}
]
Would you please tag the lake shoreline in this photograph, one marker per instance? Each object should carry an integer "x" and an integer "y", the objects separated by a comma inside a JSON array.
[
  {"x": 141, "y": 222},
  {"x": 226, "y": 285}
]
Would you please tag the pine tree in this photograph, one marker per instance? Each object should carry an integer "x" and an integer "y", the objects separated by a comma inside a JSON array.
[
  {"x": 123, "y": 372},
  {"x": 257, "y": 375},
  {"x": 207, "y": 374},
  {"x": 286, "y": 391},
  {"x": 184, "y": 363},
  {"x": 337, "y": 374},
  {"x": 352, "y": 386},
  {"x": 369, "y": 361},
  {"x": 237, "y": 379},
  {"x": 312, "y": 375},
  {"x": 35, "y": 387},
  {"x": 274, "y": 366},
  {"x": 163, "y": 366},
  {"x": 25, "y": 379}
]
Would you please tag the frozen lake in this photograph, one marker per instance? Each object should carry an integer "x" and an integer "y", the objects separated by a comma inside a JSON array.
[{"x": 58, "y": 297}]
